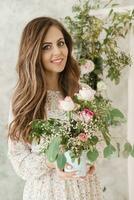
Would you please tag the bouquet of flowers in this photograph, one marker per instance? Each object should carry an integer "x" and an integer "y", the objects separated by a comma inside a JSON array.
[{"x": 83, "y": 133}]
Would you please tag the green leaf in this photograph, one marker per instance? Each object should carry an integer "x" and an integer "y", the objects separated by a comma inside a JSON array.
[
  {"x": 111, "y": 11},
  {"x": 94, "y": 140},
  {"x": 116, "y": 113},
  {"x": 53, "y": 149},
  {"x": 115, "y": 4},
  {"x": 109, "y": 151},
  {"x": 132, "y": 152},
  {"x": 128, "y": 147},
  {"x": 61, "y": 160},
  {"x": 127, "y": 150},
  {"x": 92, "y": 155}
]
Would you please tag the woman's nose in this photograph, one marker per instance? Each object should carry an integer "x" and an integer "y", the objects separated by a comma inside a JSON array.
[{"x": 56, "y": 50}]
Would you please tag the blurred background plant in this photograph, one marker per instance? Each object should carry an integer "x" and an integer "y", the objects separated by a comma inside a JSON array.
[
  {"x": 96, "y": 47},
  {"x": 97, "y": 39}
]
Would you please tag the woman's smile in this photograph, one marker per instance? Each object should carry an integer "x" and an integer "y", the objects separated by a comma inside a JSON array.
[{"x": 57, "y": 61}]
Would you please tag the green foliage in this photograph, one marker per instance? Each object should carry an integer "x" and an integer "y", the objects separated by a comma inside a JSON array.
[
  {"x": 53, "y": 149},
  {"x": 96, "y": 39},
  {"x": 92, "y": 155},
  {"x": 116, "y": 116},
  {"x": 109, "y": 151},
  {"x": 132, "y": 152},
  {"x": 61, "y": 160},
  {"x": 128, "y": 150}
]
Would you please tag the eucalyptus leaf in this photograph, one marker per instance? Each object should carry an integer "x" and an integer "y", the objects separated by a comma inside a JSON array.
[
  {"x": 92, "y": 155},
  {"x": 116, "y": 113},
  {"x": 132, "y": 152},
  {"x": 128, "y": 147},
  {"x": 109, "y": 151},
  {"x": 61, "y": 160},
  {"x": 94, "y": 140},
  {"x": 53, "y": 149}
]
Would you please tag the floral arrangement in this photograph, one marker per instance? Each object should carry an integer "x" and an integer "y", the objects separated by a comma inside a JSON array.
[
  {"x": 89, "y": 115},
  {"x": 85, "y": 128}
]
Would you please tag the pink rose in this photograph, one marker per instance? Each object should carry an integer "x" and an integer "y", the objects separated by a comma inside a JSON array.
[
  {"x": 86, "y": 115},
  {"x": 83, "y": 137}
]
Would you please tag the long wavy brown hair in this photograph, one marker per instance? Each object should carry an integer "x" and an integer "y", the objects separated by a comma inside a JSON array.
[{"x": 29, "y": 97}]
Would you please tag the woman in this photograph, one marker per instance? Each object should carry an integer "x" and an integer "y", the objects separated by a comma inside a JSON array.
[{"x": 47, "y": 72}]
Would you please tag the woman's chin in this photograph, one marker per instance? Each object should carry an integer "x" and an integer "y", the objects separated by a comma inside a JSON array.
[{"x": 60, "y": 69}]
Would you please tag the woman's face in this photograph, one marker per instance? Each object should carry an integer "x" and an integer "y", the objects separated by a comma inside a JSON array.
[{"x": 54, "y": 51}]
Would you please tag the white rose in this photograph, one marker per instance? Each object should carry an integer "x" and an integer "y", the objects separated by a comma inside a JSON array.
[
  {"x": 86, "y": 94},
  {"x": 87, "y": 67},
  {"x": 67, "y": 104},
  {"x": 101, "y": 86}
]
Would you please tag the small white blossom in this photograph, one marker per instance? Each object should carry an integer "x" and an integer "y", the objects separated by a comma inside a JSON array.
[{"x": 101, "y": 86}]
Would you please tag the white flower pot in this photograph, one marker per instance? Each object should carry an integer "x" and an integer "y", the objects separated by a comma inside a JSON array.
[{"x": 75, "y": 166}]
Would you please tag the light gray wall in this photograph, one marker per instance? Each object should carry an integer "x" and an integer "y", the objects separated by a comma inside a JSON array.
[{"x": 14, "y": 14}]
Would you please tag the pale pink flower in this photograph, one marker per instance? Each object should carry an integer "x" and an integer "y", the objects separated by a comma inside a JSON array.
[
  {"x": 86, "y": 94},
  {"x": 87, "y": 67},
  {"x": 83, "y": 137},
  {"x": 86, "y": 115},
  {"x": 67, "y": 104}
]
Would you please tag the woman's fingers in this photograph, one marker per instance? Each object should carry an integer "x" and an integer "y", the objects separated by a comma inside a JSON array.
[
  {"x": 66, "y": 175},
  {"x": 71, "y": 175},
  {"x": 91, "y": 169}
]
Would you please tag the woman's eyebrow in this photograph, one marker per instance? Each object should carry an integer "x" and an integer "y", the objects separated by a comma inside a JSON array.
[{"x": 51, "y": 42}]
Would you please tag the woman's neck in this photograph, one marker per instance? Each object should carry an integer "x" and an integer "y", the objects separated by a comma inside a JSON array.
[{"x": 52, "y": 81}]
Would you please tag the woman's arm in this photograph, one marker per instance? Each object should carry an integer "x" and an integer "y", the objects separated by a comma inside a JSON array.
[{"x": 26, "y": 163}]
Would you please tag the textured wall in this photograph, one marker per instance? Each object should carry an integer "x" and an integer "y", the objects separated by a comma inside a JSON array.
[{"x": 14, "y": 15}]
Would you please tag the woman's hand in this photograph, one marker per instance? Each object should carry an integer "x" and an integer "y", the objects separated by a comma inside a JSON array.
[
  {"x": 71, "y": 175},
  {"x": 66, "y": 175},
  {"x": 50, "y": 165},
  {"x": 90, "y": 171}
]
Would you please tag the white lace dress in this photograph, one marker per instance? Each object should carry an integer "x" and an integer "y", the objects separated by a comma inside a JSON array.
[{"x": 43, "y": 183}]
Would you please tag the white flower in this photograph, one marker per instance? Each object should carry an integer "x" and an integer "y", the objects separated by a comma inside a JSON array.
[
  {"x": 67, "y": 104},
  {"x": 87, "y": 67},
  {"x": 101, "y": 86},
  {"x": 86, "y": 94}
]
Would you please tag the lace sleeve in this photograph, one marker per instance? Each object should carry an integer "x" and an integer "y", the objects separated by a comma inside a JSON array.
[{"x": 25, "y": 162}]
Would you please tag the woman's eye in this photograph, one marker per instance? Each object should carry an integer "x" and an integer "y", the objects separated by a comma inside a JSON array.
[
  {"x": 61, "y": 43},
  {"x": 46, "y": 47}
]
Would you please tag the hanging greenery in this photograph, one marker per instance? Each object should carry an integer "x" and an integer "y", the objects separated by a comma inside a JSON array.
[{"x": 96, "y": 39}]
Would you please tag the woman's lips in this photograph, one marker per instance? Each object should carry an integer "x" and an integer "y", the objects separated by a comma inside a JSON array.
[{"x": 57, "y": 61}]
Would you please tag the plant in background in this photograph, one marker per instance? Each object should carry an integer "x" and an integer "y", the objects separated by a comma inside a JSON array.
[
  {"x": 96, "y": 45},
  {"x": 96, "y": 39}
]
